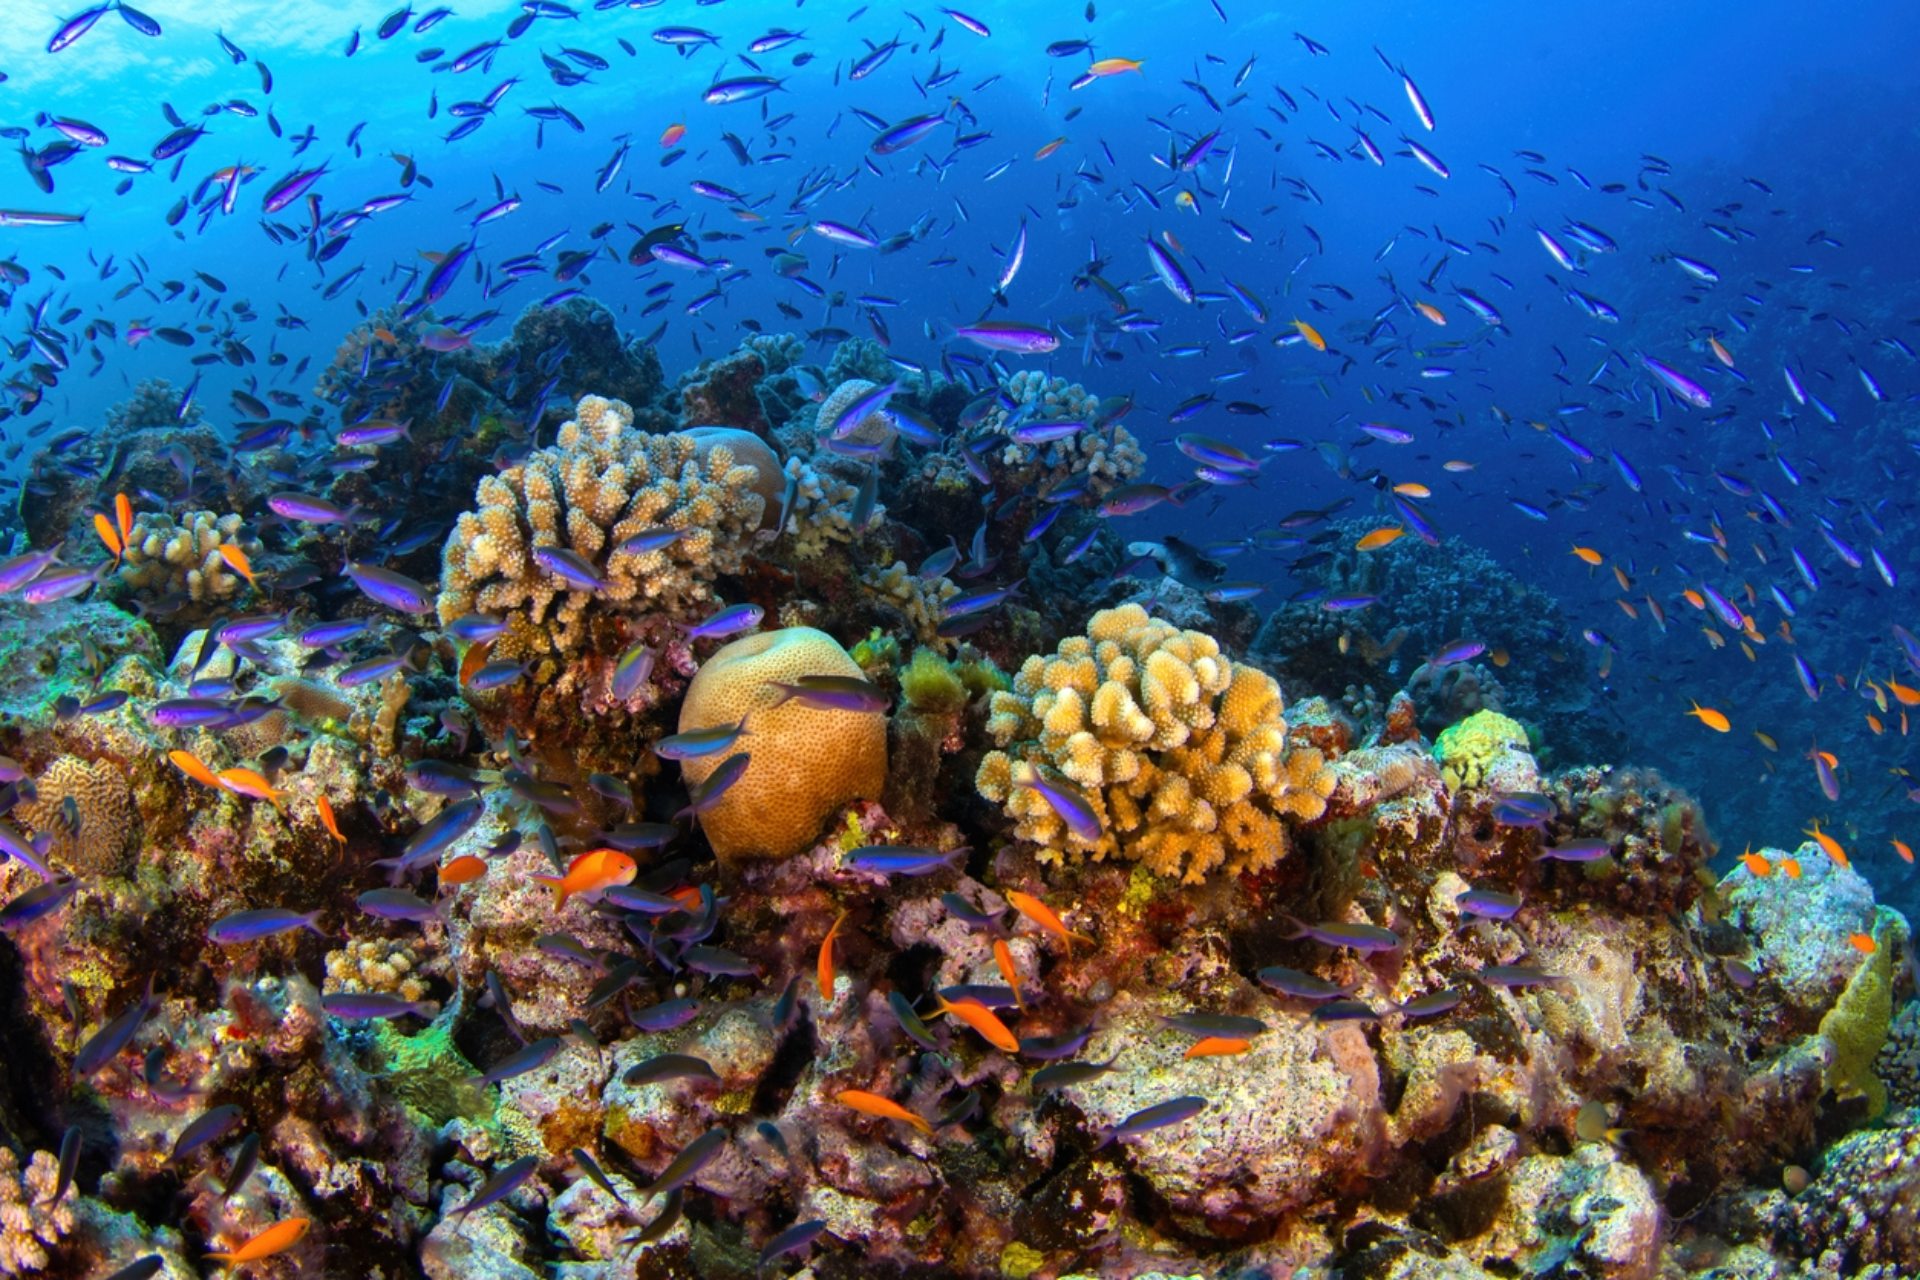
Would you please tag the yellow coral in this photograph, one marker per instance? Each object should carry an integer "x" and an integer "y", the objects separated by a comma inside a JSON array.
[
  {"x": 805, "y": 761},
  {"x": 165, "y": 556},
  {"x": 598, "y": 485},
  {"x": 1468, "y": 749},
  {"x": 1181, "y": 752}
]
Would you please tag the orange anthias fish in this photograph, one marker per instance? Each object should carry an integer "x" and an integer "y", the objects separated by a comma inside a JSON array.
[
  {"x": 824, "y": 970},
  {"x": 1048, "y": 148},
  {"x": 123, "y": 516},
  {"x": 1904, "y": 850},
  {"x": 1383, "y": 536},
  {"x": 1906, "y": 695},
  {"x": 1720, "y": 352},
  {"x": 1863, "y": 943},
  {"x": 872, "y": 1104},
  {"x": 237, "y": 560},
  {"x": 591, "y": 872},
  {"x": 1412, "y": 489},
  {"x": 464, "y": 869},
  {"x": 1041, "y": 914},
  {"x": 249, "y": 783},
  {"x": 1311, "y": 334},
  {"x": 1217, "y": 1047},
  {"x": 672, "y": 134},
  {"x": 327, "y": 820},
  {"x": 191, "y": 765},
  {"x": 1115, "y": 66},
  {"x": 277, "y": 1238},
  {"x": 983, "y": 1020},
  {"x": 1756, "y": 864},
  {"x": 1707, "y": 716},
  {"x": 1003, "y": 959},
  {"x": 1589, "y": 556},
  {"x": 1790, "y": 867},
  {"x": 1431, "y": 312},
  {"x": 109, "y": 536},
  {"x": 1829, "y": 844},
  {"x": 473, "y": 659}
]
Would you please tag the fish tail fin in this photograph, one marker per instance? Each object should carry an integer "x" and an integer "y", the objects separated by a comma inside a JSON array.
[
  {"x": 311, "y": 921},
  {"x": 560, "y": 891},
  {"x": 1295, "y": 928}
]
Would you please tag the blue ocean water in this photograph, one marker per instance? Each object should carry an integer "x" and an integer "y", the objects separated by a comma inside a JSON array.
[{"x": 1764, "y": 147}]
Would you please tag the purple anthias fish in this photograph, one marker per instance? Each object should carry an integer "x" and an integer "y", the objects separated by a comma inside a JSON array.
[
  {"x": 1301, "y": 986},
  {"x": 261, "y": 922},
  {"x": 1068, "y": 802},
  {"x": 570, "y": 567},
  {"x": 1364, "y": 938},
  {"x": 729, "y": 621},
  {"x": 1011, "y": 336},
  {"x": 1159, "y": 1116},
  {"x": 1490, "y": 904},
  {"x": 1680, "y": 384},
  {"x": 60, "y": 582},
  {"x": 902, "y": 860},
  {"x": 531, "y": 1058},
  {"x": 668, "y": 1015},
  {"x": 395, "y": 590},
  {"x": 24, "y": 568},
  {"x": 1589, "y": 849},
  {"x": 632, "y": 671},
  {"x": 308, "y": 509},
  {"x": 36, "y": 903},
  {"x": 357, "y": 1006},
  {"x": 397, "y": 904}
]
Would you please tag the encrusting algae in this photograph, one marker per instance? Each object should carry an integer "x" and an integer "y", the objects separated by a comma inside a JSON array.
[{"x": 1181, "y": 751}]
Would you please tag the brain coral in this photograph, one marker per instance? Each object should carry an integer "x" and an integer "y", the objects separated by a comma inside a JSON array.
[
  {"x": 807, "y": 761},
  {"x": 1181, "y": 751},
  {"x": 99, "y": 834},
  {"x": 599, "y": 484}
]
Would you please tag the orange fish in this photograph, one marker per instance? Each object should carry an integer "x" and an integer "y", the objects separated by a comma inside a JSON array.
[
  {"x": 1790, "y": 867},
  {"x": 387, "y": 335},
  {"x": 1173, "y": 241},
  {"x": 872, "y": 1104},
  {"x": 1873, "y": 723},
  {"x": 464, "y": 869},
  {"x": 1383, "y": 536},
  {"x": 1314, "y": 340},
  {"x": 1413, "y": 489},
  {"x": 1904, "y": 850},
  {"x": 1500, "y": 657},
  {"x": 1620, "y": 576},
  {"x": 1217, "y": 1047},
  {"x": 1828, "y": 843},
  {"x": 108, "y": 535},
  {"x": 1863, "y": 943},
  {"x": 473, "y": 659},
  {"x": 326, "y": 818},
  {"x": 1907, "y": 695},
  {"x": 1049, "y": 148},
  {"x": 672, "y": 134},
  {"x": 123, "y": 516},
  {"x": 191, "y": 765},
  {"x": 277, "y": 1238},
  {"x": 1003, "y": 957},
  {"x": 1707, "y": 716},
  {"x": 1756, "y": 864},
  {"x": 1694, "y": 598},
  {"x": 1456, "y": 464},
  {"x": 247, "y": 782},
  {"x": 592, "y": 871},
  {"x": 1114, "y": 66},
  {"x": 983, "y": 1020},
  {"x": 824, "y": 971},
  {"x": 237, "y": 559},
  {"x": 1431, "y": 312},
  {"x": 1626, "y": 607},
  {"x": 1720, "y": 353},
  {"x": 1589, "y": 556},
  {"x": 1041, "y": 914}
]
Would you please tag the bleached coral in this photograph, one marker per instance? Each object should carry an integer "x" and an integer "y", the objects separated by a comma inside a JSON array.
[
  {"x": 777, "y": 351},
  {"x": 600, "y": 484},
  {"x": 1106, "y": 459},
  {"x": 822, "y": 512},
  {"x": 165, "y": 556},
  {"x": 29, "y": 1226},
  {"x": 921, "y": 600},
  {"x": 1181, "y": 752}
]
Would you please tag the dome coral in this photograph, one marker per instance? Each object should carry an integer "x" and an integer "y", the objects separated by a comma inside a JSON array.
[{"x": 806, "y": 760}]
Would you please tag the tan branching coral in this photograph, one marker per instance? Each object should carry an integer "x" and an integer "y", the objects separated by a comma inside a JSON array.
[
  {"x": 98, "y": 834},
  {"x": 387, "y": 965},
  {"x": 29, "y": 1226},
  {"x": 822, "y": 514},
  {"x": 600, "y": 484},
  {"x": 165, "y": 556},
  {"x": 1107, "y": 458},
  {"x": 1181, "y": 751},
  {"x": 922, "y": 601},
  {"x": 875, "y": 428}
]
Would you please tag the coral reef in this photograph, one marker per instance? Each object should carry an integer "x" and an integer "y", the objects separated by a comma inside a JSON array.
[
  {"x": 1180, "y": 751},
  {"x": 600, "y": 484},
  {"x": 806, "y": 760},
  {"x": 182, "y": 558}
]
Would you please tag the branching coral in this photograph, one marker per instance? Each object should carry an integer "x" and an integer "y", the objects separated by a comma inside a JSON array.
[
  {"x": 166, "y": 556},
  {"x": 154, "y": 404},
  {"x": 1181, "y": 752},
  {"x": 1107, "y": 458},
  {"x": 600, "y": 484},
  {"x": 874, "y": 429},
  {"x": 377, "y": 964},
  {"x": 87, "y": 810},
  {"x": 922, "y": 601},
  {"x": 29, "y": 1226},
  {"x": 822, "y": 514}
]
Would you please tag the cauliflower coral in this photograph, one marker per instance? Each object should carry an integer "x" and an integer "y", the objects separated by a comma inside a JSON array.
[{"x": 1180, "y": 751}]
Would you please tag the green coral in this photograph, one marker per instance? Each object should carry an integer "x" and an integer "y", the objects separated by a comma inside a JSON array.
[
  {"x": 1857, "y": 1024},
  {"x": 1468, "y": 749},
  {"x": 878, "y": 653},
  {"x": 429, "y": 1074}
]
